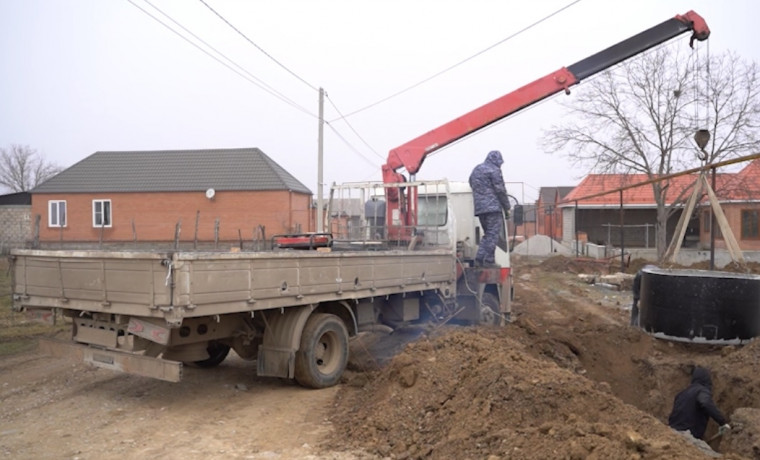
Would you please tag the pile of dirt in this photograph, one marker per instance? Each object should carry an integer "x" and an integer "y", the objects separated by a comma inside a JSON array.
[
  {"x": 578, "y": 265},
  {"x": 743, "y": 440},
  {"x": 568, "y": 379},
  {"x": 475, "y": 393}
]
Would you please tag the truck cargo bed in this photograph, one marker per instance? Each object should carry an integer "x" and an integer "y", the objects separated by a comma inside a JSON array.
[{"x": 188, "y": 284}]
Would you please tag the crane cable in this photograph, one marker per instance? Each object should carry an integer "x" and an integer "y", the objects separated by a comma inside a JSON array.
[{"x": 701, "y": 96}]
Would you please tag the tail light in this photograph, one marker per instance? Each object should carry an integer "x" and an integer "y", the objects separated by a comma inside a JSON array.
[{"x": 505, "y": 272}]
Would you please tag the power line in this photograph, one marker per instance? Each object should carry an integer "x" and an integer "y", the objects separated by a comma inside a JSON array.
[
  {"x": 354, "y": 149},
  {"x": 258, "y": 47},
  {"x": 453, "y": 66},
  {"x": 250, "y": 77},
  {"x": 334, "y": 129},
  {"x": 342, "y": 118}
]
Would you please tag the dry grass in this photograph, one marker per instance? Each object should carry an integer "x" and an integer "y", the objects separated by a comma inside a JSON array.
[{"x": 17, "y": 333}]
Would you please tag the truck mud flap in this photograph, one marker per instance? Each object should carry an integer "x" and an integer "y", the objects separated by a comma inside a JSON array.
[
  {"x": 275, "y": 362},
  {"x": 169, "y": 371}
]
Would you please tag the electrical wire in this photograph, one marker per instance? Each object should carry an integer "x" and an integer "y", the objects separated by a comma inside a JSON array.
[
  {"x": 354, "y": 149},
  {"x": 343, "y": 119},
  {"x": 334, "y": 129},
  {"x": 260, "y": 81},
  {"x": 258, "y": 47},
  {"x": 251, "y": 78},
  {"x": 453, "y": 66}
]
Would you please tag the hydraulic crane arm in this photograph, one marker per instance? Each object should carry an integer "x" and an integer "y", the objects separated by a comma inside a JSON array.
[{"x": 411, "y": 155}]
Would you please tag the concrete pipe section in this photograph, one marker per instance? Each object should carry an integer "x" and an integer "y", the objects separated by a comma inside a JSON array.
[{"x": 700, "y": 306}]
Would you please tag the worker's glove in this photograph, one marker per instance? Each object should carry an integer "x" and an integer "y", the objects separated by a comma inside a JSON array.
[
  {"x": 507, "y": 214},
  {"x": 724, "y": 429}
]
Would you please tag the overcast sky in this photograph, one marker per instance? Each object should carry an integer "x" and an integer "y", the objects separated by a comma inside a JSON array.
[{"x": 80, "y": 76}]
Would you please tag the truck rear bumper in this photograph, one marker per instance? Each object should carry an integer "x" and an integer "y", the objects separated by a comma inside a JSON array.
[{"x": 170, "y": 371}]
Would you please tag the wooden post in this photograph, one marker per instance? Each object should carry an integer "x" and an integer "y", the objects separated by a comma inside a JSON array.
[
  {"x": 216, "y": 233},
  {"x": 195, "y": 238},
  {"x": 622, "y": 234},
  {"x": 675, "y": 243},
  {"x": 36, "y": 237},
  {"x": 712, "y": 229},
  {"x": 177, "y": 231},
  {"x": 725, "y": 227}
]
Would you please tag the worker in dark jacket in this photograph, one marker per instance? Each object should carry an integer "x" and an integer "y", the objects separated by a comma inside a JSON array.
[
  {"x": 490, "y": 198},
  {"x": 694, "y": 406}
]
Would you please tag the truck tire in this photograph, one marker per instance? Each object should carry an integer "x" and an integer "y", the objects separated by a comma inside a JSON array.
[
  {"x": 217, "y": 352},
  {"x": 323, "y": 354}
]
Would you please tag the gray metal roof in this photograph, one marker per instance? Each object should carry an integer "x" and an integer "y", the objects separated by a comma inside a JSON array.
[
  {"x": 16, "y": 199},
  {"x": 548, "y": 194},
  {"x": 173, "y": 171},
  {"x": 564, "y": 191}
]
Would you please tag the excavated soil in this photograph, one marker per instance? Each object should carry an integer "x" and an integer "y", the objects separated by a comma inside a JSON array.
[{"x": 568, "y": 379}]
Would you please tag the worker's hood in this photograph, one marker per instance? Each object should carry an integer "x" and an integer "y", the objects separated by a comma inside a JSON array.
[
  {"x": 702, "y": 377},
  {"x": 494, "y": 157}
]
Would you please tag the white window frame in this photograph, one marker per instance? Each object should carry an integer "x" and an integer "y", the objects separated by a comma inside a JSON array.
[
  {"x": 96, "y": 214},
  {"x": 57, "y": 205}
]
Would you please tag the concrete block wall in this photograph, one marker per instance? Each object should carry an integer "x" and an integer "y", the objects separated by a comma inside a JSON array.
[{"x": 15, "y": 226}]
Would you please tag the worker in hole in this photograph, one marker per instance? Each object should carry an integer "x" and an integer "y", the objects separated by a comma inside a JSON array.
[
  {"x": 490, "y": 198},
  {"x": 693, "y": 407}
]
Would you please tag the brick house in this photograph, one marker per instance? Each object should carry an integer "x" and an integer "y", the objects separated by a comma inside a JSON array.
[
  {"x": 548, "y": 216},
  {"x": 15, "y": 220},
  {"x": 528, "y": 227},
  {"x": 145, "y": 197},
  {"x": 599, "y": 217}
]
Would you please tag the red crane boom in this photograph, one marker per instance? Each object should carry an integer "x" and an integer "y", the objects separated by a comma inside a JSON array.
[
  {"x": 412, "y": 154},
  {"x": 401, "y": 209}
]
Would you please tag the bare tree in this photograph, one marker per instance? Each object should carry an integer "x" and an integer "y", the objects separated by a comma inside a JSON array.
[
  {"x": 23, "y": 168},
  {"x": 641, "y": 117}
]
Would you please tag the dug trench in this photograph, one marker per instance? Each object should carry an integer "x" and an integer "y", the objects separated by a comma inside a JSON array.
[{"x": 569, "y": 378}]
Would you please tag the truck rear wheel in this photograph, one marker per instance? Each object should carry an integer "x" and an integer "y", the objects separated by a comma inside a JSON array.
[
  {"x": 217, "y": 352},
  {"x": 323, "y": 354}
]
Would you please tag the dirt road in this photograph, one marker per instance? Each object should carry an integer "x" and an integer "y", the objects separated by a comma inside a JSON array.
[
  {"x": 568, "y": 379},
  {"x": 55, "y": 409}
]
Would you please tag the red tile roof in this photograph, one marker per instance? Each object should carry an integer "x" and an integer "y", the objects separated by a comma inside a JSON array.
[{"x": 743, "y": 185}]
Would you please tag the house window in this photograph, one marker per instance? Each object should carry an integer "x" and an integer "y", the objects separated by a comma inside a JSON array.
[
  {"x": 750, "y": 224},
  {"x": 56, "y": 213},
  {"x": 101, "y": 213}
]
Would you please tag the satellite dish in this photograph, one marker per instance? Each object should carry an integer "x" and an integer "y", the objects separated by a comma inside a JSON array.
[{"x": 210, "y": 193}]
